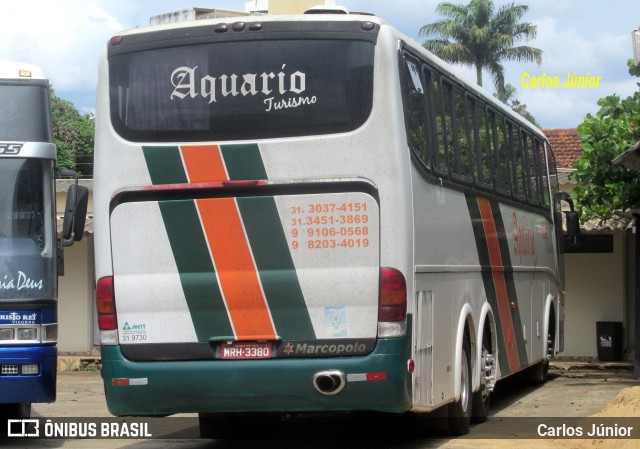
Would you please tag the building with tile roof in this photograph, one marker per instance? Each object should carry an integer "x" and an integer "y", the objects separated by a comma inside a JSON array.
[
  {"x": 566, "y": 145},
  {"x": 599, "y": 272}
]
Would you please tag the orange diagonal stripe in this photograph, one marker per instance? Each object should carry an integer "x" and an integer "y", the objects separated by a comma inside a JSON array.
[
  {"x": 500, "y": 283},
  {"x": 203, "y": 163},
  {"x": 229, "y": 246},
  {"x": 236, "y": 270}
]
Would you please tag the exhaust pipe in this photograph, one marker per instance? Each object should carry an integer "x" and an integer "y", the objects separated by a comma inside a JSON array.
[{"x": 330, "y": 382}]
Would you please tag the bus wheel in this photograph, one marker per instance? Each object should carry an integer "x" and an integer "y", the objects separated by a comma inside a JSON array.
[
  {"x": 218, "y": 425},
  {"x": 23, "y": 410},
  {"x": 482, "y": 397},
  {"x": 15, "y": 411},
  {"x": 215, "y": 425},
  {"x": 460, "y": 411},
  {"x": 540, "y": 372}
]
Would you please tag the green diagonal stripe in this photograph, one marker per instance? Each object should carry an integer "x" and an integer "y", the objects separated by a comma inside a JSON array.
[
  {"x": 269, "y": 246},
  {"x": 189, "y": 247},
  {"x": 164, "y": 165},
  {"x": 275, "y": 267},
  {"x": 243, "y": 162},
  {"x": 197, "y": 274}
]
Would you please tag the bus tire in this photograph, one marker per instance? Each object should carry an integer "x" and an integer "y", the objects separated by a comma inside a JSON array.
[
  {"x": 540, "y": 372},
  {"x": 482, "y": 397},
  {"x": 460, "y": 411},
  {"x": 16, "y": 411},
  {"x": 215, "y": 425},
  {"x": 224, "y": 425}
]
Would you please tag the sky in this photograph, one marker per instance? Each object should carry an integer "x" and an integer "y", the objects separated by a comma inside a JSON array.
[{"x": 65, "y": 38}]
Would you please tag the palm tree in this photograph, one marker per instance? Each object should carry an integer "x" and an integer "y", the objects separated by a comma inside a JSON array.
[{"x": 474, "y": 36}]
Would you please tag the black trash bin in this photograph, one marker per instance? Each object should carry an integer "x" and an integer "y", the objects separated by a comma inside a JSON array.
[{"x": 609, "y": 335}]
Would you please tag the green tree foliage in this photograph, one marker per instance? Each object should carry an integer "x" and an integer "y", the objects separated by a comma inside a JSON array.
[
  {"x": 604, "y": 188},
  {"x": 73, "y": 133},
  {"x": 634, "y": 70},
  {"x": 477, "y": 36},
  {"x": 507, "y": 96}
]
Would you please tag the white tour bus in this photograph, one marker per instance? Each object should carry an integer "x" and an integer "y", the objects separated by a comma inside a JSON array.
[{"x": 314, "y": 214}]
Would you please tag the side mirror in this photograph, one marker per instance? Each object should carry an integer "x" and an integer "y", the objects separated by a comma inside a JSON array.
[
  {"x": 573, "y": 221},
  {"x": 573, "y": 226},
  {"x": 75, "y": 212}
]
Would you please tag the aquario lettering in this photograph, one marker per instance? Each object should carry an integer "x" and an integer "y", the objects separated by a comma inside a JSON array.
[{"x": 187, "y": 83}]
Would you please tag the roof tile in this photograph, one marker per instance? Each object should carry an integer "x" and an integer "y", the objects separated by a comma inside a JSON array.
[{"x": 566, "y": 145}]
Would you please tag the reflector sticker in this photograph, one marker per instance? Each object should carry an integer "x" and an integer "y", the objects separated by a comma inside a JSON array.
[
  {"x": 366, "y": 377},
  {"x": 335, "y": 321}
]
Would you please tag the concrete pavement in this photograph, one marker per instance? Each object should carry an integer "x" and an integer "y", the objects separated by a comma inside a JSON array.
[{"x": 573, "y": 391}]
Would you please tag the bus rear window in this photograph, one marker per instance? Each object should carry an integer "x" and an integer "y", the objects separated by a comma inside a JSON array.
[{"x": 242, "y": 90}]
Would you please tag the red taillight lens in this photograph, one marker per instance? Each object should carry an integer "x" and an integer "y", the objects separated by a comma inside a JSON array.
[
  {"x": 393, "y": 295},
  {"x": 106, "y": 304}
]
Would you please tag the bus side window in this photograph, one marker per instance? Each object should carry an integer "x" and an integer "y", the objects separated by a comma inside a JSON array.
[
  {"x": 449, "y": 134},
  {"x": 461, "y": 138},
  {"x": 553, "y": 171},
  {"x": 516, "y": 184},
  {"x": 474, "y": 139},
  {"x": 432, "y": 133},
  {"x": 484, "y": 154},
  {"x": 531, "y": 173},
  {"x": 543, "y": 174},
  {"x": 416, "y": 116},
  {"x": 503, "y": 156},
  {"x": 440, "y": 153}
]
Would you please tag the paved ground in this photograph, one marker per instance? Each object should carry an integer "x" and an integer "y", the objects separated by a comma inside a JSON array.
[{"x": 570, "y": 393}]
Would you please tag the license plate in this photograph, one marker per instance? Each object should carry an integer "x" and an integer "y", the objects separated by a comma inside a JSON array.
[{"x": 243, "y": 351}]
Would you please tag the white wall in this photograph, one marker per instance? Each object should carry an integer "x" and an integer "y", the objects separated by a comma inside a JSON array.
[
  {"x": 595, "y": 287},
  {"x": 75, "y": 299}
]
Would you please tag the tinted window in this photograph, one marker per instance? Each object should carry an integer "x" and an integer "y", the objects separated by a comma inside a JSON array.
[
  {"x": 503, "y": 155},
  {"x": 24, "y": 113},
  {"x": 416, "y": 112},
  {"x": 242, "y": 90},
  {"x": 530, "y": 169},
  {"x": 460, "y": 129},
  {"x": 440, "y": 127},
  {"x": 27, "y": 237},
  {"x": 483, "y": 140}
]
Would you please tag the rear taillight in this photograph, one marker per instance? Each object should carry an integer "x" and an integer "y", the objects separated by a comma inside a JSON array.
[
  {"x": 106, "y": 304},
  {"x": 393, "y": 295},
  {"x": 392, "y": 310}
]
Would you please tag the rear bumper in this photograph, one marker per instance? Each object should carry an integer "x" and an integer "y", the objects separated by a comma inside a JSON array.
[
  {"x": 29, "y": 388},
  {"x": 276, "y": 385}
]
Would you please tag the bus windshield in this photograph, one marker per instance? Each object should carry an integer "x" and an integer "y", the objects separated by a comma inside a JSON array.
[
  {"x": 27, "y": 237},
  {"x": 241, "y": 90},
  {"x": 24, "y": 112}
]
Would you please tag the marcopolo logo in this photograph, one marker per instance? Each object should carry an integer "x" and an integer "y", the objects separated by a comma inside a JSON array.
[{"x": 324, "y": 348}]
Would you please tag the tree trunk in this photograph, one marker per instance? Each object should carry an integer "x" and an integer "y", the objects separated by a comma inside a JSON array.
[
  {"x": 636, "y": 339},
  {"x": 479, "y": 75}
]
